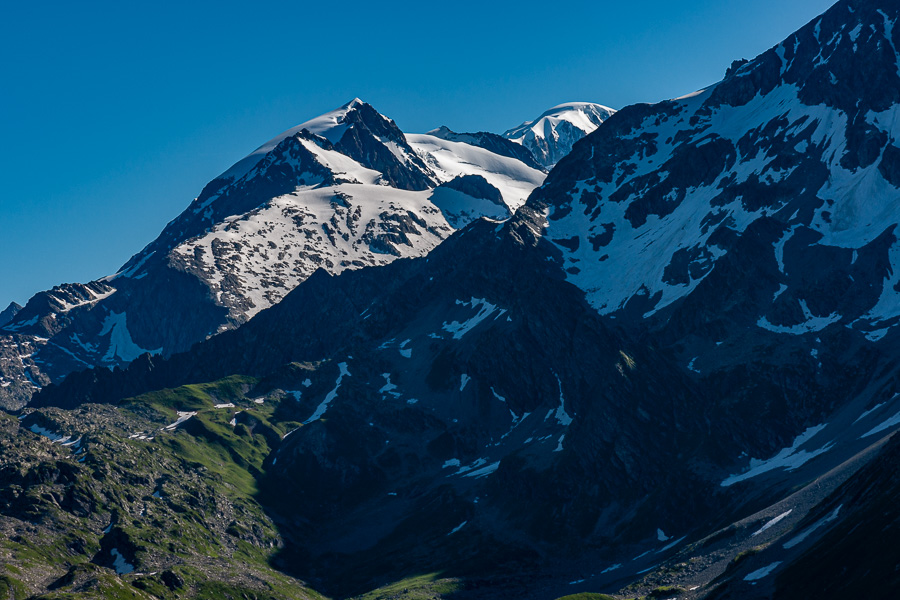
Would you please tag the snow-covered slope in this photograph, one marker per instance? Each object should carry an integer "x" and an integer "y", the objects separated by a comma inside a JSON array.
[
  {"x": 342, "y": 191},
  {"x": 449, "y": 159},
  {"x": 552, "y": 135},
  {"x": 796, "y": 149}
]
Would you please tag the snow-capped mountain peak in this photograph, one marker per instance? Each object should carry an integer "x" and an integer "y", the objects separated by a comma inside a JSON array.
[
  {"x": 330, "y": 126},
  {"x": 552, "y": 134}
]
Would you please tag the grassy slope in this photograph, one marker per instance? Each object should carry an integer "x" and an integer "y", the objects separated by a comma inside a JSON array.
[{"x": 180, "y": 507}]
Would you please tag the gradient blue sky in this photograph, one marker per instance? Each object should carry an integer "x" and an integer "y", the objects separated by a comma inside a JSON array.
[{"x": 114, "y": 115}]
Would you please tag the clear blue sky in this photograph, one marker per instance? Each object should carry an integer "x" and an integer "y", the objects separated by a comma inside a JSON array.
[{"x": 113, "y": 115}]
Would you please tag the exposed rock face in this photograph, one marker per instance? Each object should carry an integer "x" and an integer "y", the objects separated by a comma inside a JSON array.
[
  {"x": 468, "y": 197},
  {"x": 490, "y": 141},
  {"x": 7, "y": 314},
  {"x": 475, "y": 186},
  {"x": 375, "y": 142}
]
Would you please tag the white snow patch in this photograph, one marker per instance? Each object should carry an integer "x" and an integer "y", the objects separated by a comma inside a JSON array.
[
  {"x": 225, "y": 405},
  {"x": 120, "y": 343},
  {"x": 611, "y": 568},
  {"x": 760, "y": 573},
  {"x": 642, "y": 555},
  {"x": 182, "y": 417},
  {"x": 661, "y": 536},
  {"x": 463, "y": 380},
  {"x": 811, "y": 324},
  {"x": 323, "y": 406},
  {"x": 460, "y": 329},
  {"x": 54, "y": 437},
  {"x": 450, "y": 159},
  {"x": 772, "y": 523},
  {"x": 887, "y": 424},
  {"x": 562, "y": 417},
  {"x": 388, "y": 387},
  {"x": 483, "y": 471},
  {"x": 477, "y": 469},
  {"x": 559, "y": 447},
  {"x": 671, "y": 545},
  {"x": 868, "y": 412},
  {"x": 799, "y": 538},
  {"x": 689, "y": 96},
  {"x": 458, "y": 527},
  {"x": 788, "y": 458},
  {"x": 119, "y": 564}
]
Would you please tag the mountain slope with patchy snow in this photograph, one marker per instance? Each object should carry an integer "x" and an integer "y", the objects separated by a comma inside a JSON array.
[
  {"x": 797, "y": 147},
  {"x": 345, "y": 190}
]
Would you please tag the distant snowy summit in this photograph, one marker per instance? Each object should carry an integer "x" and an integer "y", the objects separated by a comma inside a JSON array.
[{"x": 552, "y": 135}]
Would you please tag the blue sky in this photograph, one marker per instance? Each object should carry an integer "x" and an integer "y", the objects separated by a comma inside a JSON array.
[{"x": 114, "y": 115}]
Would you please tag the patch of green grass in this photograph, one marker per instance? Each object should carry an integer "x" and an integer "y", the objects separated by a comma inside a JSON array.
[
  {"x": 665, "y": 591},
  {"x": 205, "y": 523},
  {"x": 95, "y": 583},
  {"x": 742, "y": 556},
  {"x": 738, "y": 560},
  {"x": 586, "y": 596},
  {"x": 421, "y": 587},
  {"x": 46, "y": 552},
  {"x": 11, "y": 588},
  {"x": 196, "y": 396}
]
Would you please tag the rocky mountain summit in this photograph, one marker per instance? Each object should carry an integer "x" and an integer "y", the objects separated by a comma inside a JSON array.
[{"x": 7, "y": 314}]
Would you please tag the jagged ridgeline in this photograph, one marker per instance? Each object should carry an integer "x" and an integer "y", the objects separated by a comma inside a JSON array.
[{"x": 671, "y": 372}]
